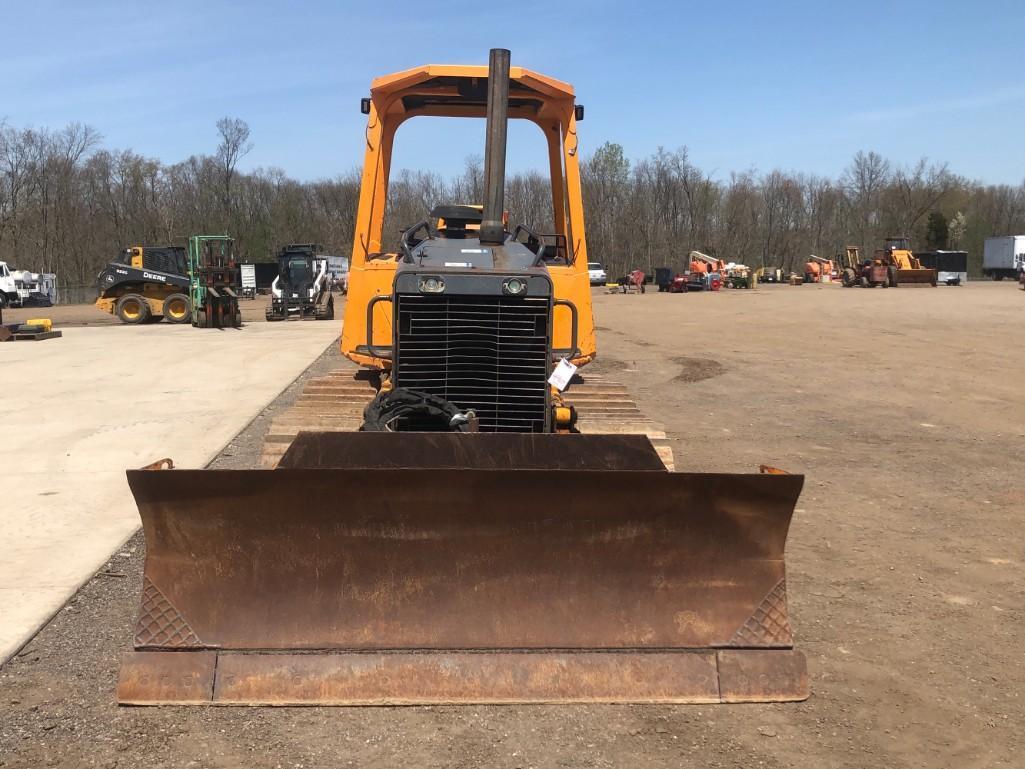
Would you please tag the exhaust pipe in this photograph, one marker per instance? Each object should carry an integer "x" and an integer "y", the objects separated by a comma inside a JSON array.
[{"x": 492, "y": 229}]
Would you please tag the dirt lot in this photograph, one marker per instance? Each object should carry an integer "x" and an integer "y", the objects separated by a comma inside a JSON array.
[
  {"x": 903, "y": 408},
  {"x": 87, "y": 315}
]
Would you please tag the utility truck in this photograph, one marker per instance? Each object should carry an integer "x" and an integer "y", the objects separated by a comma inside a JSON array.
[{"x": 8, "y": 289}]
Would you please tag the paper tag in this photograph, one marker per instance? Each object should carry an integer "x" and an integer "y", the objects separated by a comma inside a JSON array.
[
  {"x": 562, "y": 374},
  {"x": 458, "y": 264}
]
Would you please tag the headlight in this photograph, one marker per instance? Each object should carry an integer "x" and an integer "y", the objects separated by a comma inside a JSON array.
[
  {"x": 431, "y": 285},
  {"x": 515, "y": 286}
]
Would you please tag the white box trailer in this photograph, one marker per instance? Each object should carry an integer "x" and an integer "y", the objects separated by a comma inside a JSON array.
[
  {"x": 338, "y": 271},
  {"x": 248, "y": 273},
  {"x": 1003, "y": 257}
]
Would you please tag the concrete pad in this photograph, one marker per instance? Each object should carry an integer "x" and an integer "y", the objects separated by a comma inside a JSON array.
[{"x": 80, "y": 410}]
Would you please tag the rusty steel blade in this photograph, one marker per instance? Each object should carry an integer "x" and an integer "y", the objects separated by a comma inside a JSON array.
[
  {"x": 458, "y": 559},
  {"x": 372, "y": 559},
  {"x": 405, "y": 678},
  {"x": 480, "y": 451},
  {"x": 916, "y": 277}
]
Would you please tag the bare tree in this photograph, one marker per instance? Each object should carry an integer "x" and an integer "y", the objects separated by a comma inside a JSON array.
[
  {"x": 864, "y": 181},
  {"x": 67, "y": 205},
  {"x": 234, "y": 146},
  {"x": 915, "y": 191}
]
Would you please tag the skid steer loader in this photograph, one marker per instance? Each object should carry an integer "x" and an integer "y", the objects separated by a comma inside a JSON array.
[
  {"x": 146, "y": 282},
  {"x": 471, "y": 544},
  {"x": 301, "y": 289}
]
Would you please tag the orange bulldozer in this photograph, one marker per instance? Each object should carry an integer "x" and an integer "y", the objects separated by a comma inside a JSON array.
[{"x": 495, "y": 532}]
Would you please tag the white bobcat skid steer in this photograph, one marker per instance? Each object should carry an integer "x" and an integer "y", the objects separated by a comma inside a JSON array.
[{"x": 301, "y": 289}]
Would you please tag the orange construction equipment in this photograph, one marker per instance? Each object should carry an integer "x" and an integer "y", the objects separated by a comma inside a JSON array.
[
  {"x": 637, "y": 279},
  {"x": 903, "y": 267},
  {"x": 712, "y": 264},
  {"x": 866, "y": 274},
  {"x": 709, "y": 268},
  {"x": 432, "y": 90},
  {"x": 818, "y": 270},
  {"x": 891, "y": 266},
  {"x": 468, "y": 544}
]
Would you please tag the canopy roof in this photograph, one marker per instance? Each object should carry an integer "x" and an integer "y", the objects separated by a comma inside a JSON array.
[{"x": 461, "y": 90}]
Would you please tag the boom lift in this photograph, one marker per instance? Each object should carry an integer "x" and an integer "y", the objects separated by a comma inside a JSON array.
[
  {"x": 713, "y": 264},
  {"x": 469, "y": 544},
  {"x": 818, "y": 270}
]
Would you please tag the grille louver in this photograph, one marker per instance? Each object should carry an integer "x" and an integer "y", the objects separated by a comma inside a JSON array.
[{"x": 486, "y": 353}]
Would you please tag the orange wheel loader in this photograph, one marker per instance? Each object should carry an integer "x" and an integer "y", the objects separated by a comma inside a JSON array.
[
  {"x": 471, "y": 544},
  {"x": 903, "y": 268}
]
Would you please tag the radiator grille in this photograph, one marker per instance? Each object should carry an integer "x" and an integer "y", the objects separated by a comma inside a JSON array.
[{"x": 488, "y": 353}]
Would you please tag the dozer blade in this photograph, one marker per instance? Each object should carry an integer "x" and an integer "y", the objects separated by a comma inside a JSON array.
[{"x": 379, "y": 568}]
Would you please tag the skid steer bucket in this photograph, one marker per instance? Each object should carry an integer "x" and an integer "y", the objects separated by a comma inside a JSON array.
[{"x": 379, "y": 568}]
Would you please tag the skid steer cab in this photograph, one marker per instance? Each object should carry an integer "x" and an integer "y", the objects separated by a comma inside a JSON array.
[{"x": 301, "y": 289}]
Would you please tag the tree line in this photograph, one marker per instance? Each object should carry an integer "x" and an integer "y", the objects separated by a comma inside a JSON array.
[{"x": 68, "y": 205}]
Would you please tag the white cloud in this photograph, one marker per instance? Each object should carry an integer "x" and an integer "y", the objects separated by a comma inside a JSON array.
[{"x": 990, "y": 99}]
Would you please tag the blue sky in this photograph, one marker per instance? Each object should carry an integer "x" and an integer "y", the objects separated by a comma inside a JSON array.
[{"x": 744, "y": 85}]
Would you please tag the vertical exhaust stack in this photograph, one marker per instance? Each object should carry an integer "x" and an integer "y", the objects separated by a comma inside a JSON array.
[{"x": 492, "y": 230}]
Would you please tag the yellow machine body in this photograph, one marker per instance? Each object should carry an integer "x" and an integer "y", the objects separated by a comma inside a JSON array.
[
  {"x": 434, "y": 91},
  {"x": 153, "y": 294},
  {"x": 146, "y": 282},
  {"x": 904, "y": 268}
]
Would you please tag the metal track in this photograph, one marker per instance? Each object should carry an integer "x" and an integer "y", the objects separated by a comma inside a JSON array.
[
  {"x": 335, "y": 402},
  {"x": 329, "y": 403},
  {"x": 604, "y": 406}
]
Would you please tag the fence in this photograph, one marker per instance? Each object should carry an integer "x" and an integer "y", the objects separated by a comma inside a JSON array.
[{"x": 80, "y": 294}]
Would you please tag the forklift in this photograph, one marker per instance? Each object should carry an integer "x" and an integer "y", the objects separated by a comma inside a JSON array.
[{"x": 215, "y": 282}]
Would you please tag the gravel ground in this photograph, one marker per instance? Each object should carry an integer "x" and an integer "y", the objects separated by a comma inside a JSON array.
[{"x": 903, "y": 409}]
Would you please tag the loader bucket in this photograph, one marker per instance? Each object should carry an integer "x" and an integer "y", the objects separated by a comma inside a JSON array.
[
  {"x": 381, "y": 568},
  {"x": 911, "y": 277}
]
